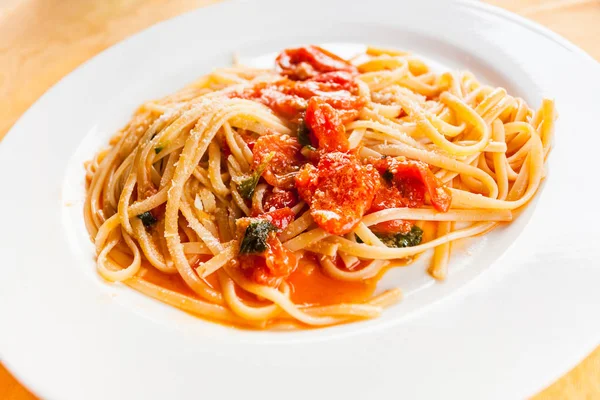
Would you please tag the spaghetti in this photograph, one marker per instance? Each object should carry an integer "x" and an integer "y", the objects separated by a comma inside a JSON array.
[{"x": 266, "y": 198}]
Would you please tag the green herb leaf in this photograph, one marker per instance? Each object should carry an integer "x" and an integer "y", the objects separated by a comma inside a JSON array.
[
  {"x": 147, "y": 219},
  {"x": 247, "y": 186},
  {"x": 255, "y": 237},
  {"x": 303, "y": 132},
  {"x": 410, "y": 239},
  {"x": 158, "y": 149}
]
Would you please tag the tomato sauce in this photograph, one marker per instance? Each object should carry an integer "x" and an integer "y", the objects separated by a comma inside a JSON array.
[
  {"x": 279, "y": 198},
  {"x": 309, "y": 72},
  {"x": 284, "y": 159},
  {"x": 326, "y": 124},
  {"x": 339, "y": 191},
  {"x": 175, "y": 282},
  {"x": 309, "y": 61},
  {"x": 310, "y": 286}
]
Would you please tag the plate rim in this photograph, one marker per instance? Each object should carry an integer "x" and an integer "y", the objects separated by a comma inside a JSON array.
[{"x": 21, "y": 374}]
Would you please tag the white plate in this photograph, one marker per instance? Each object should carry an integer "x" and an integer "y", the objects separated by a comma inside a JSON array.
[{"x": 509, "y": 332}]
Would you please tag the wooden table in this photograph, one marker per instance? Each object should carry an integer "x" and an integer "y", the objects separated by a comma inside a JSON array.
[{"x": 43, "y": 40}]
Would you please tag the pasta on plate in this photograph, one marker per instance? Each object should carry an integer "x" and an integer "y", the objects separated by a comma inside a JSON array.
[{"x": 277, "y": 198}]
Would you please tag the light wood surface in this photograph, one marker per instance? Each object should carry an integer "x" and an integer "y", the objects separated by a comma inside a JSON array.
[{"x": 43, "y": 40}]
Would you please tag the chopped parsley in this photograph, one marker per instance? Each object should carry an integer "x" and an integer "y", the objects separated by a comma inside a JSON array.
[
  {"x": 255, "y": 237},
  {"x": 247, "y": 186},
  {"x": 303, "y": 132},
  {"x": 158, "y": 149},
  {"x": 410, "y": 239},
  {"x": 147, "y": 219}
]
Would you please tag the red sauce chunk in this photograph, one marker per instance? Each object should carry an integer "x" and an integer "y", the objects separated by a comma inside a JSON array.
[
  {"x": 338, "y": 89},
  {"x": 284, "y": 164},
  {"x": 290, "y": 98},
  {"x": 413, "y": 179},
  {"x": 389, "y": 196},
  {"x": 274, "y": 263},
  {"x": 404, "y": 192},
  {"x": 325, "y": 123},
  {"x": 280, "y": 218},
  {"x": 404, "y": 184},
  {"x": 280, "y": 261},
  {"x": 337, "y": 80},
  {"x": 331, "y": 84},
  {"x": 279, "y": 96},
  {"x": 339, "y": 191},
  {"x": 271, "y": 267},
  {"x": 309, "y": 72},
  {"x": 308, "y": 61},
  {"x": 255, "y": 268},
  {"x": 279, "y": 198}
]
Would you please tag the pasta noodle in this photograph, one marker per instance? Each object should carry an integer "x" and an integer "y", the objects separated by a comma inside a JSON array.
[{"x": 247, "y": 196}]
